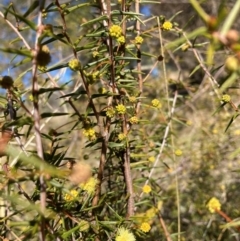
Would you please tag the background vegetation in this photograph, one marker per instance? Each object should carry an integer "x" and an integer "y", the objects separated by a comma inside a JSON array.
[{"x": 119, "y": 120}]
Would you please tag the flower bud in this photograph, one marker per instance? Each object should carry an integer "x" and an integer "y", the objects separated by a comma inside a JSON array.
[
  {"x": 43, "y": 57},
  {"x": 6, "y": 82},
  {"x": 231, "y": 64}
]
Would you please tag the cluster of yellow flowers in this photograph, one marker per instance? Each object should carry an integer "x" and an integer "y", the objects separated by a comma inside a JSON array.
[
  {"x": 145, "y": 227},
  {"x": 90, "y": 185},
  {"x": 213, "y": 205},
  {"x": 92, "y": 77},
  {"x": 167, "y": 25},
  {"x": 121, "y": 39},
  {"x": 138, "y": 40},
  {"x": 133, "y": 120},
  {"x": 69, "y": 197},
  {"x": 116, "y": 32},
  {"x": 90, "y": 133},
  {"x": 110, "y": 112},
  {"x": 124, "y": 234},
  {"x": 74, "y": 64},
  {"x": 151, "y": 159},
  {"x": 121, "y": 109},
  {"x": 145, "y": 219},
  {"x": 121, "y": 136},
  {"x": 146, "y": 189},
  {"x": 226, "y": 98},
  {"x": 156, "y": 103},
  {"x": 132, "y": 99},
  {"x": 178, "y": 152}
]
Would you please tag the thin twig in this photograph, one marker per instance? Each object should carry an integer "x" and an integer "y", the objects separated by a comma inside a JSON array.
[
  {"x": 16, "y": 31},
  {"x": 167, "y": 235},
  {"x": 36, "y": 115},
  {"x": 163, "y": 141}
]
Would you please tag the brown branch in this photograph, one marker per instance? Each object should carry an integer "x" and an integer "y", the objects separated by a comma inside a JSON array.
[
  {"x": 36, "y": 115},
  {"x": 167, "y": 235},
  {"x": 225, "y": 216}
]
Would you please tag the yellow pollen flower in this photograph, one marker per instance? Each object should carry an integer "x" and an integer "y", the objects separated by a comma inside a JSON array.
[
  {"x": 132, "y": 99},
  {"x": 156, "y": 103},
  {"x": 213, "y": 205},
  {"x": 167, "y": 25},
  {"x": 90, "y": 133},
  {"x": 115, "y": 31},
  {"x": 121, "y": 136},
  {"x": 133, "y": 120},
  {"x": 145, "y": 227},
  {"x": 121, "y": 39},
  {"x": 121, "y": 109},
  {"x": 110, "y": 112},
  {"x": 151, "y": 159},
  {"x": 90, "y": 185},
  {"x": 226, "y": 98},
  {"x": 178, "y": 152},
  {"x": 70, "y": 196},
  {"x": 146, "y": 189},
  {"x": 138, "y": 40},
  {"x": 74, "y": 64},
  {"x": 124, "y": 234}
]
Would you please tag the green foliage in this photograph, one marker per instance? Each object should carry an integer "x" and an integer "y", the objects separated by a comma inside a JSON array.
[{"x": 107, "y": 131}]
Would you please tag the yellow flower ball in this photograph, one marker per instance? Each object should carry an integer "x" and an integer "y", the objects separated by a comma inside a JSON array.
[
  {"x": 132, "y": 99},
  {"x": 110, "y": 112},
  {"x": 121, "y": 40},
  {"x": 121, "y": 136},
  {"x": 167, "y": 25},
  {"x": 213, "y": 205},
  {"x": 146, "y": 189},
  {"x": 151, "y": 159},
  {"x": 138, "y": 40},
  {"x": 115, "y": 31},
  {"x": 178, "y": 152},
  {"x": 226, "y": 98},
  {"x": 74, "y": 64},
  {"x": 121, "y": 109},
  {"x": 145, "y": 227},
  {"x": 69, "y": 197},
  {"x": 124, "y": 234},
  {"x": 156, "y": 103},
  {"x": 90, "y": 185},
  {"x": 133, "y": 120}
]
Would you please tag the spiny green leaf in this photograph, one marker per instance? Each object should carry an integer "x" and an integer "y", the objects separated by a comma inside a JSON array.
[
  {"x": 96, "y": 62},
  {"x": 25, "y": 52},
  {"x": 114, "y": 144},
  {"x": 32, "y": 7},
  {"x": 31, "y": 24},
  {"x": 126, "y": 58},
  {"x": 57, "y": 66},
  {"x": 24, "y": 61},
  {"x": 50, "y": 114},
  {"x": 99, "y": 19},
  {"x": 71, "y": 9},
  {"x": 44, "y": 90},
  {"x": 231, "y": 120}
]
